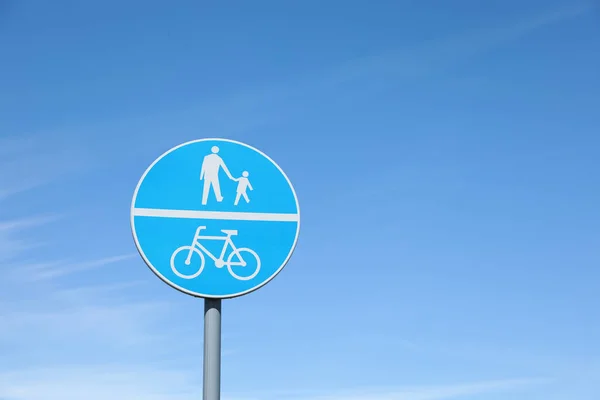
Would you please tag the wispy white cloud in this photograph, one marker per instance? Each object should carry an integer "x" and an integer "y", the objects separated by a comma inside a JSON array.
[
  {"x": 105, "y": 315},
  {"x": 31, "y": 302},
  {"x": 119, "y": 382},
  {"x": 27, "y": 162},
  {"x": 14, "y": 235},
  {"x": 105, "y": 320},
  {"x": 96, "y": 291},
  {"x": 423, "y": 59},
  {"x": 12, "y": 225},
  {"x": 442, "y": 392},
  {"x": 430, "y": 392},
  {"x": 56, "y": 269},
  {"x": 398, "y": 64},
  {"x": 246, "y": 109},
  {"x": 82, "y": 313},
  {"x": 117, "y": 324},
  {"x": 115, "y": 382},
  {"x": 68, "y": 314}
]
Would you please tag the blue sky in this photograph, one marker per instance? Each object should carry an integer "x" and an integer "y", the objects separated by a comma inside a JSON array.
[{"x": 445, "y": 154}]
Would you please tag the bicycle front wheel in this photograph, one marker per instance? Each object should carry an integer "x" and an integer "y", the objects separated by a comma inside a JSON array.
[
  {"x": 187, "y": 262},
  {"x": 245, "y": 265}
]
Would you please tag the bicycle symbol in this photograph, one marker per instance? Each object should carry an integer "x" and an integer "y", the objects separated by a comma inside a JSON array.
[{"x": 197, "y": 249}]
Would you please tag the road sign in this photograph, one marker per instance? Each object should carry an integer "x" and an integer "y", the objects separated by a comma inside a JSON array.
[{"x": 215, "y": 218}]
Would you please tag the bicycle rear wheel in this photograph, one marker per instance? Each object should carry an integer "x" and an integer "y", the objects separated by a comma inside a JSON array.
[{"x": 250, "y": 264}]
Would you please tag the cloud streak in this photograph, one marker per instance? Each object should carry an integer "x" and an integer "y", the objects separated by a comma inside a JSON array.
[
  {"x": 115, "y": 382},
  {"x": 124, "y": 323},
  {"x": 441, "y": 53},
  {"x": 32, "y": 161},
  {"x": 26, "y": 163},
  {"x": 246, "y": 109},
  {"x": 431, "y": 392},
  {"x": 13, "y": 235},
  {"x": 119, "y": 382},
  {"x": 449, "y": 391},
  {"x": 57, "y": 269}
]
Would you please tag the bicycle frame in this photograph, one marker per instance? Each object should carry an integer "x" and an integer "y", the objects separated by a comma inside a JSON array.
[{"x": 226, "y": 239}]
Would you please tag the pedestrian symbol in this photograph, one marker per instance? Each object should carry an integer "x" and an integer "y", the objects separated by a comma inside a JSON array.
[
  {"x": 215, "y": 218},
  {"x": 243, "y": 185}
]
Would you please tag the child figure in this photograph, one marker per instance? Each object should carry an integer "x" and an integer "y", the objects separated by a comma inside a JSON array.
[{"x": 243, "y": 185}]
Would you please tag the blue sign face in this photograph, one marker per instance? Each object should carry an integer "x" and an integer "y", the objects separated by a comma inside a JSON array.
[{"x": 215, "y": 218}]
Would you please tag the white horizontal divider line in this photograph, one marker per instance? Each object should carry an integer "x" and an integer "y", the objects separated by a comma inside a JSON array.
[{"x": 233, "y": 215}]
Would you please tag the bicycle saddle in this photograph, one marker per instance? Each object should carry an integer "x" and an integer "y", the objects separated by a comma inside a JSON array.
[{"x": 230, "y": 232}]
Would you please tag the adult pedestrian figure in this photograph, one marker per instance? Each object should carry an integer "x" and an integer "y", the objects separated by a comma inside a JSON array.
[{"x": 211, "y": 165}]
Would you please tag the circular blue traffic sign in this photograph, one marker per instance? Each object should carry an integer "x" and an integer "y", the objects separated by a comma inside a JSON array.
[{"x": 215, "y": 218}]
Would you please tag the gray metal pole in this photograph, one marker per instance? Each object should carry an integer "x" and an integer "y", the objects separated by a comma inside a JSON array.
[{"x": 212, "y": 350}]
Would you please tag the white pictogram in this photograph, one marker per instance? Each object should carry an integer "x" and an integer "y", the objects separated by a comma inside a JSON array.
[
  {"x": 243, "y": 185},
  {"x": 209, "y": 173},
  {"x": 236, "y": 264}
]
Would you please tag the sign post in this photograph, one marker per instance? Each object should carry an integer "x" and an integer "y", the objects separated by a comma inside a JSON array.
[
  {"x": 215, "y": 219},
  {"x": 212, "y": 350}
]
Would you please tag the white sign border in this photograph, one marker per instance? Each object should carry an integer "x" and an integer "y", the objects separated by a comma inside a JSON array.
[{"x": 189, "y": 292}]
